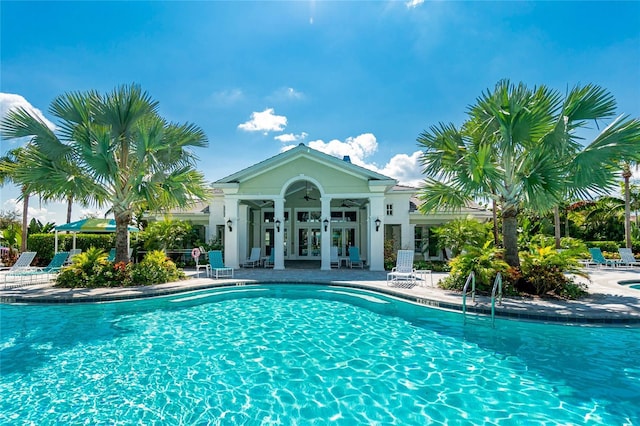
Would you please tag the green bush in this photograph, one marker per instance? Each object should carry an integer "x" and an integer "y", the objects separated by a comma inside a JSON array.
[
  {"x": 605, "y": 246},
  {"x": 544, "y": 271},
  {"x": 485, "y": 262},
  {"x": 155, "y": 268},
  {"x": 44, "y": 244},
  {"x": 90, "y": 269}
]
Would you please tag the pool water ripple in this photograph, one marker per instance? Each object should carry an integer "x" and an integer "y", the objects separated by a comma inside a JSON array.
[{"x": 300, "y": 355}]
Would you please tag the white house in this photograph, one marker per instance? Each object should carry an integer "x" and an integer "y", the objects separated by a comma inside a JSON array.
[{"x": 302, "y": 201}]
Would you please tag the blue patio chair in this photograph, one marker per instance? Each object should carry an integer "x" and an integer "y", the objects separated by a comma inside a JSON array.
[
  {"x": 217, "y": 265},
  {"x": 111, "y": 257},
  {"x": 268, "y": 263},
  {"x": 598, "y": 258},
  {"x": 354, "y": 258}
]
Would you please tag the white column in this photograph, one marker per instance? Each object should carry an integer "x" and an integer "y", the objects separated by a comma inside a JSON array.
[
  {"x": 376, "y": 237},
  {"x": 231, "y": 237},
  {"x": 278, "y": 257},
  {"x": 325, "y": 242}
]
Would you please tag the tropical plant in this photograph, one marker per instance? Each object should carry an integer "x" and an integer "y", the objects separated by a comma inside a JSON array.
[
  {"x": 544, "y": 271},
  {"x": 166, "y": 234},
  {"x": 9, "y": 164},
  {"x": 626, "y": 192},
  {"x": 519, "y": 148},
  {"x": 485, "y": 261},
  {"x": 459, "y": 233},
  {"x": 115, "y": 150}
]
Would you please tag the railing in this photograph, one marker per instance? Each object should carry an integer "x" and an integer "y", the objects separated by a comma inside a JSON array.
[
  {"x": 471, "y": 279},
  {"x": 497, "y": 284}
]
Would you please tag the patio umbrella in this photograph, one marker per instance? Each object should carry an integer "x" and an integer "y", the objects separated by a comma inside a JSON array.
[{"x": 90, "y": 226}]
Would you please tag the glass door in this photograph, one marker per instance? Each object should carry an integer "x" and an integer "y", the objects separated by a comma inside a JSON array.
[{"x": 309, "y": 243}]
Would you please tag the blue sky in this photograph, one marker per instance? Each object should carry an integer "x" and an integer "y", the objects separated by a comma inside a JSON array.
[{"x": 349, "y": 78}]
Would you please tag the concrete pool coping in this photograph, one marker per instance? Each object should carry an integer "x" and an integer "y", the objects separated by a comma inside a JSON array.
[{"x": 608, "y": 302}]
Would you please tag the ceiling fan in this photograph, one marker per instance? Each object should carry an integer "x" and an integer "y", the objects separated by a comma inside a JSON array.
[{"x": 306, "y": 196}]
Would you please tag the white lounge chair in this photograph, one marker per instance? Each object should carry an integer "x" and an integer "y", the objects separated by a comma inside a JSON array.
[
  {"x": 354, "y": 258},
  {"x": 404, "y": 272},
  {"x": 216, "y": 265},
  {"x": 627, "y": 258},
  {"x": 334, "y": 259},
  {"x": 72, "y": 253},
  {"x": 254, "y": 258}
]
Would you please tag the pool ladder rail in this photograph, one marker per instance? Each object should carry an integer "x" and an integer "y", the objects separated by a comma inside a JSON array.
[{"x": 497, "y": 288}]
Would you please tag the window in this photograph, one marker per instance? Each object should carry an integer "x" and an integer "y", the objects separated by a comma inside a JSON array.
[{"x": 389, "y": 209}]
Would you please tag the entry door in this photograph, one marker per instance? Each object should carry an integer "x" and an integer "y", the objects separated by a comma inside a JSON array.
[
  {"x": 309, "y": 243},
  {"x": 343, "y": 237}
]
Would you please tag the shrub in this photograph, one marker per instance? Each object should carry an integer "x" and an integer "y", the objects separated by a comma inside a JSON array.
[
  {"x": 544, "y": 271},
  {"x": 44, "y": 244},
  {"x": 90, "y": 269},
  {"x": 155, "y": 268},
  {"x": 485, "y": 262}
]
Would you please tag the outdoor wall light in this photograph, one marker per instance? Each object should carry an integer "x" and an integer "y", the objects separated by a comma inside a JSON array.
[
  {"x": 378, "y": 223},
  {"x": 278, "y": 225},
  {"x": 229, "y": 225},
  {"x": 326, "y": 224}
]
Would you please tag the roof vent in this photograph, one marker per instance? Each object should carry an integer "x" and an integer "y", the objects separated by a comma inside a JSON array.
[{"x": 346, "y": 158}]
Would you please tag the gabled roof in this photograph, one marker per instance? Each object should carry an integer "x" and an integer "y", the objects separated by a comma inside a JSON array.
[{"x": 303, "y": 151}]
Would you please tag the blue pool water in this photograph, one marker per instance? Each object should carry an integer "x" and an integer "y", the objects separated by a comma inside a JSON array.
[{"x": 301, "y": 354}]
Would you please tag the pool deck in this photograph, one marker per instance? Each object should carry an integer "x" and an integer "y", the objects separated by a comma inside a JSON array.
[{"x": 608, "y": 302}]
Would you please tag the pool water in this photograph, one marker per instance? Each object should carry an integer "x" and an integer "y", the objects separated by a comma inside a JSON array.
[{"x": 302, "y": 354}]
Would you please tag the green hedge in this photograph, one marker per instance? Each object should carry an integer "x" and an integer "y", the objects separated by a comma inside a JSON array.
[{"x": 44, "y": 244}]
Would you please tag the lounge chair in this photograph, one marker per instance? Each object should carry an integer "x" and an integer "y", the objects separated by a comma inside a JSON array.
[
  {"x": 72, "y": 253},
  {"x": 598, "y": 258},
  {"x": 403, "y": 272},
  {"x": 254, "y": 259},
  {"x": 268, "y": 263},
  {"x": 335, "y": 259},
  {"x": 354, "y": 258},
  {"x": 627, "y": 258},
  {"x": 216, "y": 265},
  {"x": 24, "y": 276},
  {"x": 111, "y": 257},
  {"x": 23, "y": 262}
]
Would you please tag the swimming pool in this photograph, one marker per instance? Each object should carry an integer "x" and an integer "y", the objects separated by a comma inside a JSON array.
[{"x": 306, "y": 354}]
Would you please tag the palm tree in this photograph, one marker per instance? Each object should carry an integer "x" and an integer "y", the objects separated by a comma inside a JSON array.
[
  {"x": 8, "y": 164},
  {"x": 113, "y": 150},
  {"x": 517, "y": 148},
  {"x": 626, "y": 176}
]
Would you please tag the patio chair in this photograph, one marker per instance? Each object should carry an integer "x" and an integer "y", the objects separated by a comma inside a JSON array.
[
  {"x": 627, "y": 258},
  {"x": 598, "y": 258},
  {"x": 268, "y": 263},
  {"x": 24, "y": 276},
  {"x": 354, "y": 258},
  {"x": 254, "y": 258},
  {"x": 334, "y": 258},
  {"x": 111, "y": 257},
  {"x": 403, "y": 272},
  {"x": 216, "y": 265},
  {"x": 72, "y": 253},
  {"x": 23, "y": 262}
]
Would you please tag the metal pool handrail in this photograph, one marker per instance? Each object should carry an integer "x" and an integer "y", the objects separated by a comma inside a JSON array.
[
  {"x": 470, "y": 279},
  {"x": 497, "y": 284}
]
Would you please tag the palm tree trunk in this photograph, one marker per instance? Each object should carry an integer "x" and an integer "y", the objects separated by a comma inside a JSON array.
[
  {"x": 69, "y": 205},
  {"x": 25, "y": 219},
  {"x": 626, "y": 174},
  {"x": 496, "y": 234},
  {"x": 122, "y": 236},
  {"x": 556, "y": 225},
  {"x": 510, "y": 236}
]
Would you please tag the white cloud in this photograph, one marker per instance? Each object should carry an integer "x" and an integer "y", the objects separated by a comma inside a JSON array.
[
  {"x": 9, "y": 101},
  {"x": 290, "y": 137},
  {"x": 286, "y": 93},
  {"x": 226, "y": 97},
  {"x": 414, "y": 3},
  {"x": 265, "y": 121},
  {"x": 357, "y": 148},
  {"x": 404, "y": 168},
  {"x": 39, "y": 213}
]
